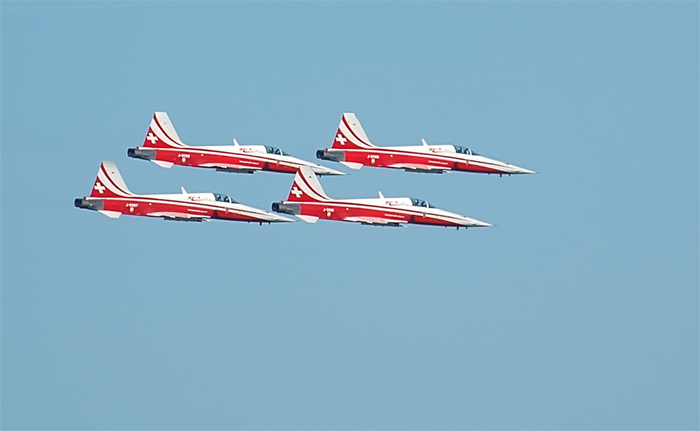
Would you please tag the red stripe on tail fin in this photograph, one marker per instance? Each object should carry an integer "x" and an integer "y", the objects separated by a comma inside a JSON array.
[
  {"x": 109, "y": 182},
  {"x": 161, "y": 133},
  {"x": 350, "y": 134},
  {"x": 306, "y": 187}
]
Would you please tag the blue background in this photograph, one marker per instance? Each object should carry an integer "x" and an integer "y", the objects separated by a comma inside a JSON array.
[{"x": 579, "y": 310}]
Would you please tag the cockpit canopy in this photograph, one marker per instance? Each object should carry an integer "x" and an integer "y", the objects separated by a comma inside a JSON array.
[
  {"x": 421, "y": 203},
  {"x": 223, "y": 198},
  {"x": 464, "y": 150},
  {"x": 273, "y": 150}
]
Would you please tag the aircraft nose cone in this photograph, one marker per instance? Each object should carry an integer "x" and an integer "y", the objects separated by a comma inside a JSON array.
[
  {"x": 470, "y": 222},
  {"x": 512, "y": 169},
  {"x": 478, "y": 223},
  {"x": 322, "y": 170},
  {"x": 519, "y": 170}
]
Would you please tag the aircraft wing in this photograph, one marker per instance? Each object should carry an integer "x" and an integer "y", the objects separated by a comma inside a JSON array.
[
  {"x": 178, "y": 216},
  {"x": 419, "y": 167},
  {"x": 232, "y": 167},
  {"x": 377, "y": 221}
]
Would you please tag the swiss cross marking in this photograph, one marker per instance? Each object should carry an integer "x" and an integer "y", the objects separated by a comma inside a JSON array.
[
  {"x": 296, "y": 192},
  {"x": 341, "y": 139},
  {"x": 99, "y": 187},
  {"x": 151, "y": 137}
]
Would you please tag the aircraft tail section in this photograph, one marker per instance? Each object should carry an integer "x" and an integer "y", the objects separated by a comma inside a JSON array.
[
  {"x": 109, "y": 182},
  {"x": 306, "y": 187},
  {"x": 350, "y": 134},
  {"x": 161, "y": 133}
]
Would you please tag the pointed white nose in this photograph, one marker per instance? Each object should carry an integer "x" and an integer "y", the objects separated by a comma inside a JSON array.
[
  {"x": 519, "y": 170},
  {"x": 478, "y": 223},
  {"x": 514, "y": 170},
  {"x": 322, "y": 170},
  {"x": 470, "y": 222}
]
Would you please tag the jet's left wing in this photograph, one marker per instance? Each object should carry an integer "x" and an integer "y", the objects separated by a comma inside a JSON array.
[
  {"x": 376, "y": 221},
  {"x": 178, "y": 216},
  {"x": 419, "y": 167},
  {"x": 231, "y": 167}
]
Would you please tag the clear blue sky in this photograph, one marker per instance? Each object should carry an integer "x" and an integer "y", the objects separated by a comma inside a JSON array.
[{"x": 579, "y": 310}]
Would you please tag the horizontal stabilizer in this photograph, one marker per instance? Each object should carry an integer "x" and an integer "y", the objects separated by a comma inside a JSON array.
[
  {"x": 162, "y": 164},
  {"x": 308, "y": 219},
  {"x": 111, "y": 214},
  {"x": 352, "y": 165}
]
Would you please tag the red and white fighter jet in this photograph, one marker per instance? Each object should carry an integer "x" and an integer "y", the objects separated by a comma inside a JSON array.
[
  {"x": 309, "y": 202},
  {"x": 352, "y": 148},
  {"x": 163, "y": 147},
  {"x": 111, "y": 197}
]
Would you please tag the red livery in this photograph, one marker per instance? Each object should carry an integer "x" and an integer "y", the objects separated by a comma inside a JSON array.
[
  {"x": 309, "y": 202},
  {"x": 352, "y": 148},
  {"x": 111, "y": 197},
  {"x": 163, "y": 147}
]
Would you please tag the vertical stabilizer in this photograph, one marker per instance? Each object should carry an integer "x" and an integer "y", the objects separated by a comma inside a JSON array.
[
  {"x": 161, "y": 133},
  {"x": 350, "y": 134},
  {"x": 109, "y": 182},
  {"x": 306, "y": 187}
]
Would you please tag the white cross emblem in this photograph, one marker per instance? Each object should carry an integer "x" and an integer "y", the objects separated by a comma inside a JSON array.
[
  {"x": 151, "y": 137},
  {"x": 99, "y": 187},
  {"x": 340, "y": 138},
  {"x": 296, "y": 192}
]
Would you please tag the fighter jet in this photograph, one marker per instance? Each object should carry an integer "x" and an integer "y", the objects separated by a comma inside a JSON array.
[
  {"x": 309, "y": 202},
  {"x": 352, "y": 148},
  {"x": 163, "y": 147},
  {"x": 111, "y": 197}
]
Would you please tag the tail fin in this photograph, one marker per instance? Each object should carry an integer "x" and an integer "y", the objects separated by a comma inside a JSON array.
[
  {"x": 351, "y": 134},
  {"x": 161, "y": 133},
  {"x": 306, "y": 187},
  {"x": 109, "y": 182}
]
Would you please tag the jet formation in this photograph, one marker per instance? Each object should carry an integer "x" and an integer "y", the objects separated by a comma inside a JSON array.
[{"x": 306, "y": 200}]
